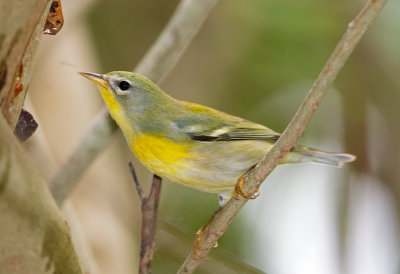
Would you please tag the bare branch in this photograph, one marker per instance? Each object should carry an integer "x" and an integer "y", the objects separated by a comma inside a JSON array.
[
  {"x": 136, "y": 181},
  {"x": 149, "y": 220},
  {"x": 156, "y": 64},
  {"x": 149, "y": 206},
  {"x": 149, "y": 223},
  {"x": 292, "y": 133}
]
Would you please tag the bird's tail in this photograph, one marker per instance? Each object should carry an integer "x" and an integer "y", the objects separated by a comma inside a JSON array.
[{"x": 302, "y": 154}]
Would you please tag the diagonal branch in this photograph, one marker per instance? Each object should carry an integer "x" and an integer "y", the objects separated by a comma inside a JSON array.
[
  {"x": 292, "y": 133},
  {"x": 184, "y": 24}
]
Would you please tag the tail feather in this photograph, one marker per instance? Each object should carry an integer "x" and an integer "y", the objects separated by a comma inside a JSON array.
[{"x": 308, "y": 154}]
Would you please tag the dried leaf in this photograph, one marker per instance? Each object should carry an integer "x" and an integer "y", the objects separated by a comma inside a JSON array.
[{"x": 55, "y": 19}]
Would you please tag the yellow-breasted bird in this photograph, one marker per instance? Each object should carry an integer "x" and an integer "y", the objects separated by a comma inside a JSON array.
[{"x": 191, "y": 144}]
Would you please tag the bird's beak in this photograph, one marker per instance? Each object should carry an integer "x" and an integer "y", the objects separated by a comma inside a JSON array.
[{"x": 99, "y": 79}]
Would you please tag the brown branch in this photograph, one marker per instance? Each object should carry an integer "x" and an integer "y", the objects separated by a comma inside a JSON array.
[
  {"x": 149, "y": 206},
  {"x": 292, "y": 133},
  {"x": 156, "y": 64},
  {"x": 139, "y": 189},
  {"x": 181, "y": 239}
]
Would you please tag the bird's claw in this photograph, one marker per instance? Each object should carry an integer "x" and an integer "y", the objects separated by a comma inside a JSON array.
[
  {"x": 239, "y": 188},
  {"x": 197, "y": 243},
  {"x": 197, "y": 252}
]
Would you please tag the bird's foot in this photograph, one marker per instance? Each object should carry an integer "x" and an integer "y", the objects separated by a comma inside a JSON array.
[
  {"x": 197, "y": 252},
  {"x": 239, "y": 188}
]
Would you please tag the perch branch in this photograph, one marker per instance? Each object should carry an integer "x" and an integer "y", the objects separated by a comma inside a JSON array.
[
  {"x": 160, "y": 59},
  {"x": 291, "y": 134},
  {"x": 149, "y": 206}
]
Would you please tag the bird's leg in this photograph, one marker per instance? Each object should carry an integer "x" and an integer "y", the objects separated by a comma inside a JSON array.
[
  {"x": 239, "y": 187},
  {"x": 202, "y": 230}
]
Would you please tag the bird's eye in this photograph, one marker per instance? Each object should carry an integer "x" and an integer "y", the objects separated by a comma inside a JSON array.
[{"x": 124, "y": 85}]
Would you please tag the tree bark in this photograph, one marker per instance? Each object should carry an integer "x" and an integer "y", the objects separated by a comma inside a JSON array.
[
  {"x": 21, "y": 26},
  {"x": 34, "y": 238}
]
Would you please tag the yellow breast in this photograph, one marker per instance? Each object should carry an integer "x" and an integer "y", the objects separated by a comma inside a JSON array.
[{"x": 161, "y": 155}]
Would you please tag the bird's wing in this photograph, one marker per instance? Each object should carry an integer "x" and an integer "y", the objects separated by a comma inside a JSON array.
[
  {"x": 229, "y": 133},
  {"x": 209, "y": 125}
]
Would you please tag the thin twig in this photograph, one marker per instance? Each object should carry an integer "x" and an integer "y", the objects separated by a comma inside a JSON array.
[
  {"x": 149, "y": 206},
  {"x": 149, "y": 222},
  {"x": 136, "y": 181},
  {"x": 184, "y": 24},
  {"x": 292, "y": 133}
]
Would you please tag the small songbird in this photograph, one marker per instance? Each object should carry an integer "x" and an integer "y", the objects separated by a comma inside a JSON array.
[{"x": 191, "y": 144}]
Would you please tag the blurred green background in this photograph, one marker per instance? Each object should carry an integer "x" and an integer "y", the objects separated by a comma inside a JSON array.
[{"x": 257, "y": 59}]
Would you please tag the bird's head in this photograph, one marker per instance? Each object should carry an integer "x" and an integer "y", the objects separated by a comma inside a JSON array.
[{"x": 127, "y": 91}]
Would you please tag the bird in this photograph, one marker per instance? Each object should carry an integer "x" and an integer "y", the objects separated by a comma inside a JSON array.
[{"x": 192, "y": 144}]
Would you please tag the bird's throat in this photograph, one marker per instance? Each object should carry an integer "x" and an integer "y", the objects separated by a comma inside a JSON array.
[{"x": 111, "y": 102}]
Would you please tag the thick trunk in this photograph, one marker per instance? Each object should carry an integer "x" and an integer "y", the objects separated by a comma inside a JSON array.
[
  {"x": 34, "y": 238},
  {"x": 20, "y": 33}
]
